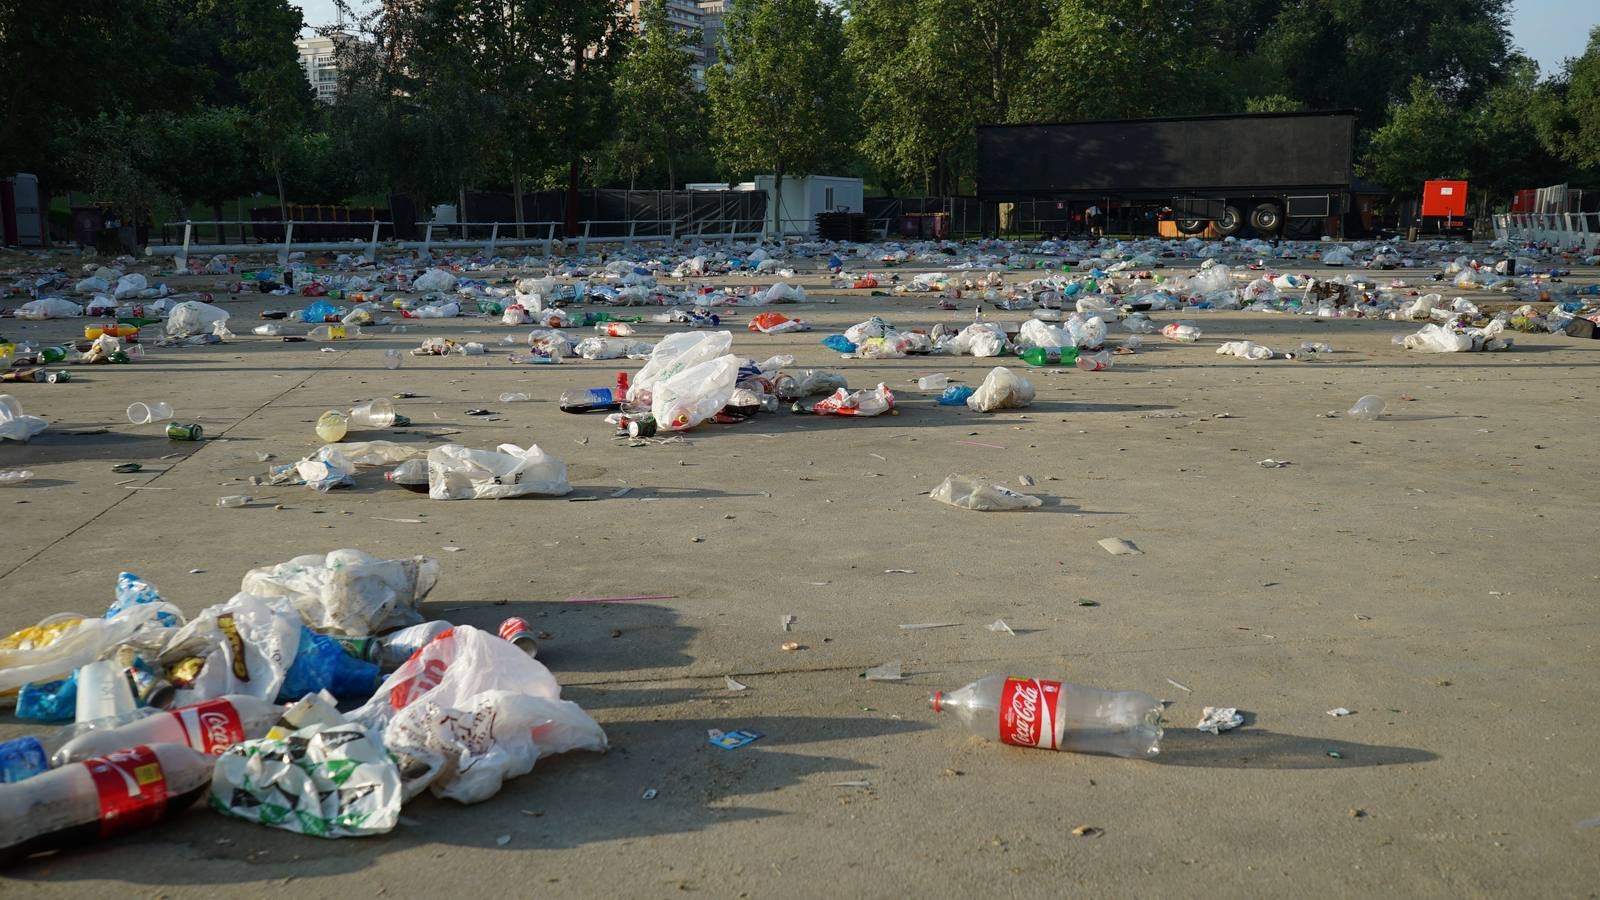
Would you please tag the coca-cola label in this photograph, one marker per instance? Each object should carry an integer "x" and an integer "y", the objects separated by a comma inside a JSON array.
[
  {"x": 513, "y": 628},
  {"x": 131, "y": 788},
  {"x": 211, "y": 727},
  {"x": 1028, "y": 712}
]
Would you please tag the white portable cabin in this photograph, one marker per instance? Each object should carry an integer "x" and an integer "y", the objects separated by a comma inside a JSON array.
[{"x": 805, "y": 196}]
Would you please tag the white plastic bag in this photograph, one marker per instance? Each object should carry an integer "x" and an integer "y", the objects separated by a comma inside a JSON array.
[
  {"x": 981, "y": 339},
  {"x": 1245, "y": 350},
  {"x": 435, "y": 280},
  {"x": 129, "y": 286},
  {"x": 458, "y": 473},
  {"x": 675, "y": 353},
  {"x": 49, "y": 308},
  {"x": 248, "y": 645},
  {"x": 15, "y": 425},
  {"x": 1001, "y": 389},
  {"x": 26, "y": 656},
  {"x": 1438, "y": 339},
  {"x": 193, "y": 317},
  {"x": 377, "y": 453},
  {"x": 323, "y": 780},
  {"x": 476, "y": 710},
  {"x": 971, "y": 492},
  {"x": 695, "y": 394},
  {"x": 347, "y": 591},
  {"x": 1036, "y": 333}
]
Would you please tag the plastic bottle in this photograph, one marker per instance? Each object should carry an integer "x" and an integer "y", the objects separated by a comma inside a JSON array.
[
  {"x": 24, "y": 757},
  {"x": 233, "y": 501},
  {"x": 1094, "y": 362},
  {"x": 100, "y": 798},
  {"x": 582, "y": 400},
  {"x": 1053, "y": 715},
  {"x": 934, "y": 382},
  {"x": 211, "y": 726},
  {"x": 614, "y": 329},
  {"x": 396, "y": 647},
  {"x": 1049, "y": 356}
]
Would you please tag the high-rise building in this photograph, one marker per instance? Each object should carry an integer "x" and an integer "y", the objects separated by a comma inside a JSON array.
[
  {"x": 319, "y": 58},
  {"x": 685, "y": 18},
  {"x": 711, "y": 14}
]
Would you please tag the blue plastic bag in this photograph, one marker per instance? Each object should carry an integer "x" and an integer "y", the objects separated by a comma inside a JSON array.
[
  {"x": 322, "y": 663},
  {"x": 957, "y": 394},
  {"x": 838, "y": 342},
  {"x": 49, "y": 701}
]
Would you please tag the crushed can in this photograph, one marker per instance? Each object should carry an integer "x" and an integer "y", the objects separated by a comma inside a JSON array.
[
  {"x": 181, "y": 432},
  {"x": 517, "y": 630}
]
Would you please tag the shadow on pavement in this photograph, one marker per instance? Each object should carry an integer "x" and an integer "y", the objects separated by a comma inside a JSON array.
[{"x": 1250, "y": 748}]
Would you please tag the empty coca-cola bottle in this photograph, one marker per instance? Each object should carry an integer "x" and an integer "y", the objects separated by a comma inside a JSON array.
[
  {"x": 99, "y": 798},
  {"x": 211, "y": 726},
  {"x": 1052, "y": 715}
]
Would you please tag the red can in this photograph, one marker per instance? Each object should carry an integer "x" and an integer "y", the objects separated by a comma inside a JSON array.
[{"x": 519, "y": 632}]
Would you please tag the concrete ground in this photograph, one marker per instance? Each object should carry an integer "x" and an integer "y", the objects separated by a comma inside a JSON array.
[{"x": 1431, "y": 571}]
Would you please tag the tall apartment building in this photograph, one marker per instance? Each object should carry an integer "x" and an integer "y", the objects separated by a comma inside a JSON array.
[{"x": 319, "y": 59}]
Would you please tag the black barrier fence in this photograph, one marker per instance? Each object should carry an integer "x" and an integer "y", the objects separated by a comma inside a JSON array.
[{"x": 606, "y": 213}]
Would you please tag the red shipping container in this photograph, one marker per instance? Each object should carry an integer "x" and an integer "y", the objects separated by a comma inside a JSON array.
[
  {"x": 1523, "y": 201},
  {"x": 1444, "y": 199}
]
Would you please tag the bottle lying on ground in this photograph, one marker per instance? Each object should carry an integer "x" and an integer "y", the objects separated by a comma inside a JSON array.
[{"x": 1052, "y": 715}]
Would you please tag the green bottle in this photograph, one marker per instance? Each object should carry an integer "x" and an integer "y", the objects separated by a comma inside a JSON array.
[
  {"x": 52, "y": 354},
  {"x": 1050, "y": 356}
]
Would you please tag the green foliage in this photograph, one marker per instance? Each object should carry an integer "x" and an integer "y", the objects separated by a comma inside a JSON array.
[
  {"x": 660, "y": 115},
  {"x": 780, "y": 94},
  {"x": 1273, "y": 103},
  {"x": 1566, "y": 111},
  {"x": 1425, "y": 138}
]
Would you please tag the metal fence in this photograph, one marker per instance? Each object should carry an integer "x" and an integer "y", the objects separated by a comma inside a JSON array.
[{"x": 1565, "y": 231}]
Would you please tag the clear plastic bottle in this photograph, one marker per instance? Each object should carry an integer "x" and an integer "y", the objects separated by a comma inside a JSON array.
[
  {"x": 24, "y": 757},
  {"x": 211, "y": 727},
  {"x": 100, "y": 798},
  {"x": 1094, "y": 362},
  {"x": 1053, "y": 715},
  {"x": 1183, "y": 334}
]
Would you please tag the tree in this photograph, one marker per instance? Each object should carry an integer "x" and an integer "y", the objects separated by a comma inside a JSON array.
[
  {"x": 1425, "y": 138},
  {"x": 780, "y": 94},
  {"x": 1566, "y": 112},
  {"x": 201, "y": 157},
  {"x": 660, "y": 114},
  {"x": 280, "y": 97},
  {"x": 1110, "y": 59}
]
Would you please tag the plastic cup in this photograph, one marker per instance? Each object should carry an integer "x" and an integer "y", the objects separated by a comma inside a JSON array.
[
  {"x": 332, "y": 426},
  {"x": 935, "y": 382},
  {"x": 510, "y": 397},
  {"x": 392, "y": 358},
  {"x": 103, "y": 691},
  {"x": 373, "y": 414},
  {"x": 143, "y": 413},
  {"x": 1369, "y": 408}
]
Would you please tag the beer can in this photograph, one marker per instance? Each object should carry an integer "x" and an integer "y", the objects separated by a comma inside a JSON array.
[
  {"x": 150, "y": 690},
  {"x": 179, "y": 432},
  {"x": 518, "y": 632},
  {"x": 363, "y": 648},
  {"x": 642, "y": 427},
  {"x": 58, "y": 375}
]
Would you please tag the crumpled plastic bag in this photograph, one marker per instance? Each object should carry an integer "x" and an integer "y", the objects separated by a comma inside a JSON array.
[
  {"x": 323, "y": 780},
  {"x": 841, "y": 402},
  {"x": 347, "y": 591},
  {"x": 871, "y": 328},
  {"x": 1438, "y": 339},
  {"x": 16, "y": 425},
  {"x": 775, "y": 323},
  {"x": 675, "y": 353},
  {"x": 94, "y": 284},
  {"x": 193, "y": 317},
  {"x": 49, "y": 308},
  {"x": 470, "y": 710},
  {"x": 459, "y": 473},
  {"x": 981, "y": 339},
  {"x": 129, "y": 286},
  {"x": 248, "y": 644},
  {"x": 1245, "y": 350},
  {"x": 434, "y": 280},
  {"x": 1037, "y": 333},
  {"x": 611, "y": 348},
  {"x": 784, "y": 293},
  {"x": 971, "y": 492},
  {"x": 1001, "y": 389},
  {"x": 377, "y": 453},
  {"x": 695, "y": 394},
  {"x": 64, "y": 642}
]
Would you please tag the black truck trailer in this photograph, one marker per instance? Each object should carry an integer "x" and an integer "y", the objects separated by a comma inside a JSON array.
[{"x": 1260, "y": 172}]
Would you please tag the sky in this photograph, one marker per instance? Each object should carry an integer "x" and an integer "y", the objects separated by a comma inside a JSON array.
[{"x": 1547, "y": 30}]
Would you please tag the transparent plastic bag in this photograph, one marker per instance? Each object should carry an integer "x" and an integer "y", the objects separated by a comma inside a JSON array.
[
  {"x": 1001, "y": 389},
  {"x": 971, "y": 492},
  {"x": 459, "y": 473},
  {"x": 694, "y": 394},
  {"x": 347, "y": 591}
]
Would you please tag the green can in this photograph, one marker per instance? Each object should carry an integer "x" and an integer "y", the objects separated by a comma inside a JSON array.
[
  {"x": 179, "y": 432},
  {"x": 364, "y": 648}
]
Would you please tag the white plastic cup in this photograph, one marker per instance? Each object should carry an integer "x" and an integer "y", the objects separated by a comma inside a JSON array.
[
  {"x": 391, "y": 358},
  {"x": 143, "y": 413},
  {"x": 373, "y": 414},
  {"x": 510, "y": 397},
  {"x": 934, "y": 382},
  {"x": 1368, "y": 408},
  {"x": 103, "y": 691}
]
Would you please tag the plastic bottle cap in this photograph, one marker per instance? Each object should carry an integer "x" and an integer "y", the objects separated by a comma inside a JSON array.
[{"x": 938, "y": 699}]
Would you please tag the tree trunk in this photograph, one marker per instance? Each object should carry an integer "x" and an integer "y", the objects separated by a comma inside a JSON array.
[
  {"x": 461, "y": 209},
  {"x": 672, "y": 179},
  {"x": 283, "y": 202},
  {"x": 571, "y": 223},
  {"x": 777, "y": 203},
  {"x": 516, "y": 197}
]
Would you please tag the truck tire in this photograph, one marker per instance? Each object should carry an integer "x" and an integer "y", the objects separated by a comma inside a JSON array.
[
  {"x": 1230, "y": 222},
  {"x": 1266, "y": 219},
  {"x": 1191, "y": 226}
]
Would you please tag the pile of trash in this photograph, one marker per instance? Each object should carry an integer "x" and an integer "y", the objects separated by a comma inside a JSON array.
[{"x": 318, "y": 699}]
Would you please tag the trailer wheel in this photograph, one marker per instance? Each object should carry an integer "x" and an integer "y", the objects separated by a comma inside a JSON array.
[
  {"x": 1231, "y": 220},
  {"x": 1266, "y": 219},
  {"x": 1191, "y": 226}
]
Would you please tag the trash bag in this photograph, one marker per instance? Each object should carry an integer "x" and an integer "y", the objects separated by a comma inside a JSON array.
[
  {"x": 875, "y": 402},
  {"x": 695, "y": 394},
  {"x": 193, "y": 317},
  {"x": 434, "y": 280},
  {"x": 64, "y": 642},
  {"x": 675, "y": 353},
  {"x": 94, "y": 284},
  {"x": 321, "y": 663},
  {"x": 49, "y": 308},
  {"x": 459, "y": 473},
  {"x": 248, "y": 644},
  {"x": 15, "y": 425},
  {"x": 323, "y": 780},
  {"x": 1001, "y": 389},
  {"x": 981, "y": 339},
  {"x": 775, "y": 323},
  {"x": 971, "y": 492},
  {"x": 471, "y": 710},
  {"x": 377, "y": 453},
  {"x": 129, "y": 286},
  {"x": 1245, "y": 350},
  {"x": 347, "y": 591},
  {"x": 1438, "y": 339},
  {"x": 327, "y": 470},
  {"x": 1036, "y": 333},
  {"x": 871, "y": 328}
]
